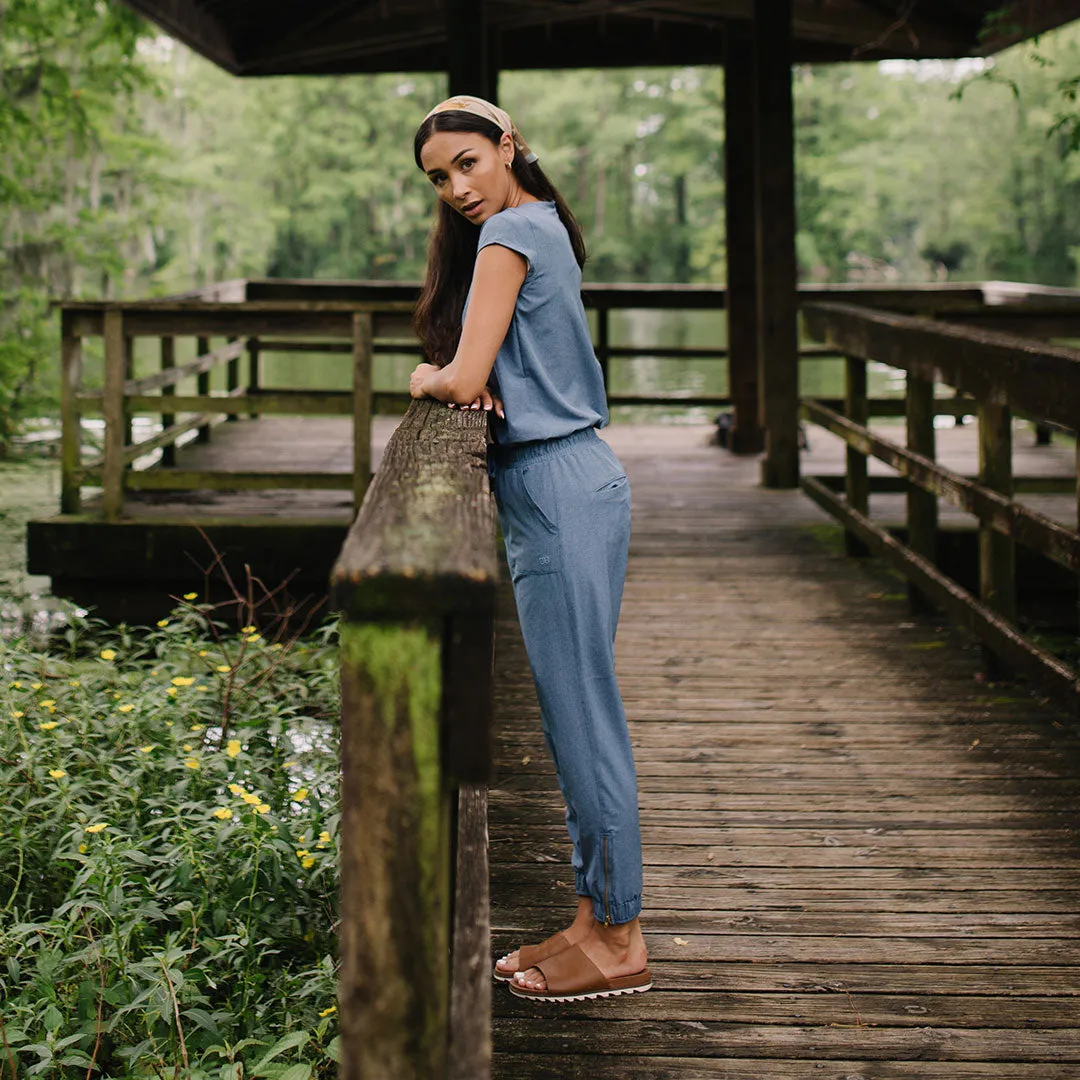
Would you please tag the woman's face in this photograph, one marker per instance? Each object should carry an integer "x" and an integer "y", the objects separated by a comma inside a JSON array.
[{"x": 470, "y": 173}]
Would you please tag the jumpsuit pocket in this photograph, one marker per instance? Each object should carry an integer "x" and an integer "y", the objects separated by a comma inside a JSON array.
[
  {"x": 613, "y": 487},
  {"x": 529, "y": 531},
  {"x": 534, "y": 489}
]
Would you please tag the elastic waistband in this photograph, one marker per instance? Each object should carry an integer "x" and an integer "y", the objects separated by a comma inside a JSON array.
[{"x": 509, "y": 456}]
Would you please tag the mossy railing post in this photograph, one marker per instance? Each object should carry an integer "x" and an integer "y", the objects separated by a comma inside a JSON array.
[
  {"x": 70, "y": 418},
  {"x": 415, "y": 584}
]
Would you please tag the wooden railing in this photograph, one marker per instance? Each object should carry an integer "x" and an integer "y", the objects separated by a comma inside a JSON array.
[
  {"x": 1002, "y": 375},
  {"x": 415, "y": 584},
  {"x": 356, "y": 328}
]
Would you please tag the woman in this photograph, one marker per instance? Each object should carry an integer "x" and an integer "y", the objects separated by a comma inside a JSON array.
[{"x": 501, "y": 318}]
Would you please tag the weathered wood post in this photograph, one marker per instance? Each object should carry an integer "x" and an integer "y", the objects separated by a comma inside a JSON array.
[
  {"x": 202, "y": 387},
  {"x": 997, "y": 552},
  {"x": 168, "y": 362},
  {"x": 415, "y": 585},
  {"x": 856, "y": 479},
  {"x": 254, "y": 372},
  {"x": 363, "y": 355},
  {"x": 922, "y": 507},
  {"x": 232, "y": 380},
  {"x": 70, "y": 419},
  {"x": 740, "y": 202},
  {"x": 112, "y": 466},
  {"x": 603, "y": 341}
]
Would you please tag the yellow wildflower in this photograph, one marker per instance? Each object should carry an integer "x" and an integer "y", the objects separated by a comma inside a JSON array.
[
  {"x": 171, "y": 691},
  {"x": 289, "y": 764},
  {"x": 190, "y": 595},
  {"x": 329, "y": 1012},
  {"x": 96, "y": 828},
  {"x": 117, "y": 697},
  {"x": 262, "y": 808},
  {"x": 247, "y": 629},
  {"x": 154, "y": 671},
  {"x": 188, "y": 748},
  {"x": 57, "y": 774},
  {"x": 277, "y": 645},
  {"x": 47, "y": 726},
  {"x": 48, "y": 703},
  {"x": 184, "y": 680},
  {"x": 124, "y": 708},
  {"x": 16, "y": 685},
  {"x": 145, "y": 749},
  {"x": 250, "y": 799},
  {"x": 308, "y": 863},
  {"x": 18, "y": 714},
  {"x": 202, "y": 689},
  {"x": 223, "y": 813},
  {"x": 168, "y": 723},
  {"x": 74, "y": 682},
  {"x": 191, "y": 763},
  {"x": 203, "y": 652},
  {"x": 108, "y": 654},
  {"x": 223, "y": 668},
  {"x": 197, "y": 727},
  {"x": 233, "y": 747},
  {"x": 300, "y": 794},
  {"x": 324, "y": 837},
  {"x": 163, "y": 623},
  {"x": 253, "y": 637},
  {"x": 35, "y": 686},
  {"x": 236, "y": 789},
  {"x": 82, "y": 849},
  {"x": 302, "y": 853}
]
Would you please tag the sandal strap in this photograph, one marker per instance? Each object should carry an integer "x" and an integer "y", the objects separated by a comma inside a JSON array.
[
  {"x": 572, "y": 972},
  {"x": 531, "y": 955}
]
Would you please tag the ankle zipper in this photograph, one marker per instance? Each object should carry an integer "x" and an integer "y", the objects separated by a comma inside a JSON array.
[{"x": 607, "y": 910}]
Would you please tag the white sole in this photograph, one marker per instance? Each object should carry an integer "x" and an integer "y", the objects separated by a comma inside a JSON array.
[{"x": 592, "y": 996}]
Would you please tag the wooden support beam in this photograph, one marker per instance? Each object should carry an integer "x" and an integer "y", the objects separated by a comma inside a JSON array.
[
  {"x": 112, "y": 479},
  {"x": 997, "y": 553},
  {"x": 856, "y": 481},
  {"x": 778, "y": 350},
  {"x": 254, "y": 370},
  {"x": 922, "y": 508},
  {"x": 603, "y": 341},
  {"x": 168, "y": 363},
  {"x": 232, "y": 375},
  {"x": 202, "y": 384},
  {"x": 362, "y": 363},
  {"x": 740, "y": 197},
  {"x": 70, "y": 419},
  {"x": 471, "y": 47}
]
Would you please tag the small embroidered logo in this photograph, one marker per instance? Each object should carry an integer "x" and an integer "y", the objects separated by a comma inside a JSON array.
[{"x": 545, "y": 560}]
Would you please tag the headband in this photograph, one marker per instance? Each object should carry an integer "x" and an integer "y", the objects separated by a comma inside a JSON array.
[{"x": 492, "y": 113}]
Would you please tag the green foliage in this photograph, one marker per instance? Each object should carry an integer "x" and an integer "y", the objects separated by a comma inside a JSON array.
[{"x": 167, "y": 857}]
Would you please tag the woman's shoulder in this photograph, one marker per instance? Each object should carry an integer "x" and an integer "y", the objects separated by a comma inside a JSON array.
[{"x": 527, "y": 215}]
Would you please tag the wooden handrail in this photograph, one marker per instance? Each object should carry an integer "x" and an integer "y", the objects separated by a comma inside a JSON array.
[{"x": 415, "y": 584}]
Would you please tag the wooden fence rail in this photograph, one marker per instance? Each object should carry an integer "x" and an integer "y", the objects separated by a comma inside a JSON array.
[
  {"x": 415, "y": 583},
  {"x": 1001, "y": 373}
]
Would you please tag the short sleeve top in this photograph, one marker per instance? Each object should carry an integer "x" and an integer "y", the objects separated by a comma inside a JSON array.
[{"x": 546, "y": 371}]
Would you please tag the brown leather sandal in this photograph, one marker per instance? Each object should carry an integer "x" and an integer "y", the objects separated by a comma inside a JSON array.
[
  {"x": 531, "y": 955},
  {"x": 572, "y": 976}
]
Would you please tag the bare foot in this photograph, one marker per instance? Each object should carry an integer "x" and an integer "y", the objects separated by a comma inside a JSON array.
[
  {"x": 616, "y": 950},
  {"x": 578, "y": 930}
]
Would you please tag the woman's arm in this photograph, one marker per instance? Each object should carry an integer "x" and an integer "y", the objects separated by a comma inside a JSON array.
[{"x": 497, "y": 280}]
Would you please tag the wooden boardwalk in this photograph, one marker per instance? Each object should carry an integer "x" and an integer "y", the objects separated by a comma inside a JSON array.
[{"x": 862, "y": 862}]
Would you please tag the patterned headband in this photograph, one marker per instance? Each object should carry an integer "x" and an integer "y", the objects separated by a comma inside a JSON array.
[{"x": 492, "y": 113}]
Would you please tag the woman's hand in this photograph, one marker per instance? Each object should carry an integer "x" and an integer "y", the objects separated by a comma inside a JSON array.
[
  {"x": 486, "y": 400},
  {"x": 416, "y": 379}
]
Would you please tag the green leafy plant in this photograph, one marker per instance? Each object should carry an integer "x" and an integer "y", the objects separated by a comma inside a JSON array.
[{"x": 167, "y": 855}]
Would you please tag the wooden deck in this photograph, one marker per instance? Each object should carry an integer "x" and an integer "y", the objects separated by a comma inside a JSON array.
[{"x": 862, "y": 861}]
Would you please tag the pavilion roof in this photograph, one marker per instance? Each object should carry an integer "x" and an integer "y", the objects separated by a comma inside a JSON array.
[{"x": 282, "y": 37}]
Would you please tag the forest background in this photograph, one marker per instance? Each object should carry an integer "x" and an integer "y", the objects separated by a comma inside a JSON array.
[{"x": 129, "y": 166}]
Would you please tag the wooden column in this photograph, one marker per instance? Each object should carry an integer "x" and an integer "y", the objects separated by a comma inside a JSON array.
[
  {"x": 232, "y": 383},
  {"x": 112, "y": 466},
  {"x": 778, "y": 348},
  {"x": 168, "y": 362},
  {"x": 70, "y": 419},
  {"x": 997, "y": 553},
  {"x": 362, "y": 362},
  {"x": 254, "y": 373},
  {"x": 740, "y": 191},
  {"x": 856, "y": 479},
  {"x": 603, "y": 342},
  {"x": 472, "y": 66},
  {"x": 202, "y": 386},
  {"x": 922, "y": 508}
]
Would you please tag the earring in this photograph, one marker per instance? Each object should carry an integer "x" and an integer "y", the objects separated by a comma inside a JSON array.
[{"x": 507, "y": 164}]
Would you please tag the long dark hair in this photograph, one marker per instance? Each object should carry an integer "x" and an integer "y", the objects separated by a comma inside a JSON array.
[{"x": 452, "y": 252}]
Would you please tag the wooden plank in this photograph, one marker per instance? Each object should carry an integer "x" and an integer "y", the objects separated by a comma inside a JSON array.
[
  {"x": 362, "y": 364},
  {"x": 469, "y": 1055},
  {"x": 1043, "y": 380},
  {"x": 70, "y": 420},
  {"x": 202, "y": 386},
  {"x": 172, "y": 375},
  {"x": 778, "y": 347},
  {"x": 289, "y": 403},
  {"x": 425, "y": 536},
  {"x": 167, "y": 363},
  {"x": 232, "y": 374},
  {"x": 112, "y": 479},
  {"x": 997, "y": 552},
  {"x": 1039, "y": 665},
  {"x": 395, "y": 845},
  {"x": 195, "y": 480},
  {"x": 997, "y": 511},
  {"x": 254, "y": 370}
]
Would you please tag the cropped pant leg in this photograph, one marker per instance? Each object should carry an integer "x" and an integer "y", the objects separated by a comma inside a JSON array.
[{"x": 564, "y": 508}]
